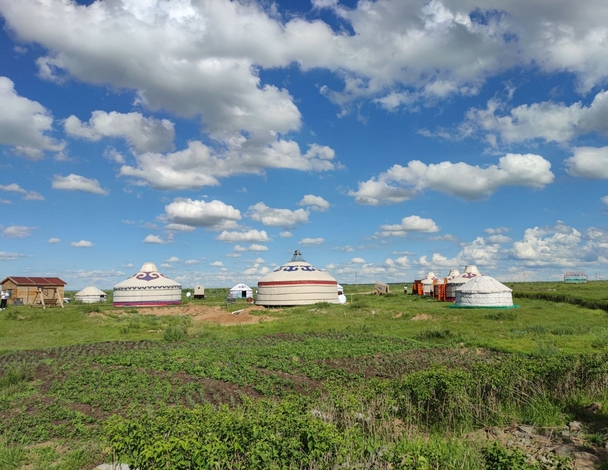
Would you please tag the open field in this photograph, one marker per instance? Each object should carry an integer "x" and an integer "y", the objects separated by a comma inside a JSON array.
[{"x": 381, "y": 382}]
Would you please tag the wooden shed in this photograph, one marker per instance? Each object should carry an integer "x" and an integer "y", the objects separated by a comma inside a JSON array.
[{"x": 42, "y": 291}]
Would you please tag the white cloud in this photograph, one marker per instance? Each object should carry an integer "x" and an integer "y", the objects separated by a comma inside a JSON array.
[
  {"x": 82, "y": 244},
  {"x": 166, "y": 266},
  {"x": 17, "y": 231},
  {"x": 173, "y": 259},
  {"x": 155, "y": 239},
  {"x": 357, "y": 260},
  {"x": 200, "y": 165},
  {"x": 54, "y": 240},
  {"x": 605, "y": 200},
  {"x": 24, "y": 124},
  {"x": 9, "y": 256},
  {"x": 217, "y": 264},
  {"x": 457, "y": 179},
  {"x": 285, "y": 234},
  {"x": 312, "y": 241},
  {"x": 143, "y": 134},
  {"x": 249, "y": 236},
  {"x": 191, "y": 262},
  {"x": 284, "y": 218},
  {"x": 412, "y": 223},
  {"x": 74, "y": 182},
  {"x": 252, "y": 247},
  {"x": 448, "y": 237},
  {"x": 561, "y": 246},
  {"x": 548, "y": 121},
  {"x": 180, "y": 227},
  {"x": 589, "y": 163},
  {"x": 214, "y": 214},
  {"x": 345, "y": 249},
  {"x": 315, "y": 203},
  {"x": 27, "y": 195},
  {"x": 98, "y": 274},
  {"x": 499, "y": 239}
]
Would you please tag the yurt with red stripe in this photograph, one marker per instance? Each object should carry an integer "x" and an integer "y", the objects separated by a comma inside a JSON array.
[{"x": 296, "y": 283}]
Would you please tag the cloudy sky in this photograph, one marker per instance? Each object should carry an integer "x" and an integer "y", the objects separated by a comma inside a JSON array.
[{"x": 383, "y": 139}]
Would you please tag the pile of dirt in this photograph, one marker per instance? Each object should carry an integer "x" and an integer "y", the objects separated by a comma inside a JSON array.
[{"x": 205, "y": 313}]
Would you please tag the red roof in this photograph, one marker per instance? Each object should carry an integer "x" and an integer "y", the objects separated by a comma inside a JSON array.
[{"x": 36, "y": 281}]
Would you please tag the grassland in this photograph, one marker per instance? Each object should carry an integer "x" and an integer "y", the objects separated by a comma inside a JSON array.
[{"x": 381, "y": 382}]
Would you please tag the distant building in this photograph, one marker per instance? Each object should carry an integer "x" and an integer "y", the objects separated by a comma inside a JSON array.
[
  {"x": 573, "y": 277},
  {"x": 34, "y": 290}
]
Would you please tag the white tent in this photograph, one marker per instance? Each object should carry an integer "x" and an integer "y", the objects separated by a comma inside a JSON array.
[
  {"x": 241, "y": 291},
  {"x": 469, "y": 273},
  {"x": 453, "y": 273},
  {"x": 296, "y": 283},
  {"x": 90, "y": 295},
  {"x": 427, "y": 283},
  {"x": 484, "y": 291},
  {"x": 147, "y": 288}
]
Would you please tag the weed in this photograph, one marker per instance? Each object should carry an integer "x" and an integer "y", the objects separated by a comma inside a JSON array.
[
  {"x": 434, "y": 333},
  {"x": 506, "y": 315},
  {"x": 175, "y": 332}
]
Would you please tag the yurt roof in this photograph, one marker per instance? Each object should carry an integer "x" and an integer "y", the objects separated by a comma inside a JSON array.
[
  {"x": 483, "y": 285},
  {"x": 90, "y": 290},
  {"x": 148, "y": 276},
  {"x": 297, "y": 271},
  {"x": 453, "y": 273},
  {"x": 469, "y": 273},
  {"x": 429, "y": 278},
  {"x": 241, "y": 287}
]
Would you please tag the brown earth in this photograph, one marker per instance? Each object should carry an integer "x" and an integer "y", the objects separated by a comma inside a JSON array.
[{"x": 239, "y": 314}]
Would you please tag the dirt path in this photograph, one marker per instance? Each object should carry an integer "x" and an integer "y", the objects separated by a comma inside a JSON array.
[{"x": 248, "y": 315}]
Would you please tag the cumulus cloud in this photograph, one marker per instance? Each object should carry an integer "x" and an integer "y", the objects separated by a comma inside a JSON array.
[
  {"x": 588, "y": 163},
  {"x": 345, "y": 249},
  {"x": 27, "y": 195},
  {"x": 315, "y": 203},
  {"x": 249, "y": 236},
  {"x": 547, "y": 121},
  {"x": 560, "y": 246},
  {"x": 74, "y": 182},
  {"x": 357, "y": 260},
  {"x": 25, "y": 124},
  {"x": 180, "y": 227},
  {"x": 154, "y": 239},
  {"x": 173, "y": 259},
  {"x": 413, "y": 223},
  {"x": 200, "y": 165},
  {"x": 143, "y": 134},
  {"x": 191, "y": 262},
  {"x": 195, "y": 213},
  {"x": 286, "y": 234},
  {"x": 54, "y": 240},
  {"x": 82, "y": 244},
  {"x": 457, "y": 179},
  {"x": 217, "y": 264},
  {"x": 284, "y": 218},
  {"x": 17, "y": 231},
  {"x": 252, "y": 247},
  {"x": 312, "y": 241}
]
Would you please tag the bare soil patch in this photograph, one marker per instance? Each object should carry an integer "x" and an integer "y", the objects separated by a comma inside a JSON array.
[
  {"x": 421, "y": 317},
  {"x": 215, "y": 314}
]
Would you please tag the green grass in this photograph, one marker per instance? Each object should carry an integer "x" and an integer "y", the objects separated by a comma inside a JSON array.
[{"x": 382, "y": 382}]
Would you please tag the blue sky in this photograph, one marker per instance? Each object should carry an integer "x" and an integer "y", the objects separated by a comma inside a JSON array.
[{"x": 383, "y": 139}]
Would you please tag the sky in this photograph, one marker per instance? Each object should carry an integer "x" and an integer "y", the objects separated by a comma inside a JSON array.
[{"x": 383, "y": 139}]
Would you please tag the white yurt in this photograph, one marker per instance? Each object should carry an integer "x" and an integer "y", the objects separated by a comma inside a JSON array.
[
  {"x": 427, "y": 283},
  {"x": 90, "y": 295},
  {"x": 469, "y": 273},
  {"x": 296, "y": 283},
  {"x": 147, "y": 288},
  {"x": 452, "y": 274},
  {"x": 241, "y": 291},
  {"x": 483, "y": 291}
]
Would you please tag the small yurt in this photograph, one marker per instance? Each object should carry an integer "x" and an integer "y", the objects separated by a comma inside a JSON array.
[
  {"x": 427, "y": 283},
  {"x": 340, "y": 289},
  {"x": 90, "y": 295},
  {"x": 469, "y": 273},
  {"x": 483, "y": 291},
  {"x": 241, "y": 291},
  {"x": 147, "y": 288},
  {"x": 453, "y": 274},
  {"x": 296, "y": 283}
]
